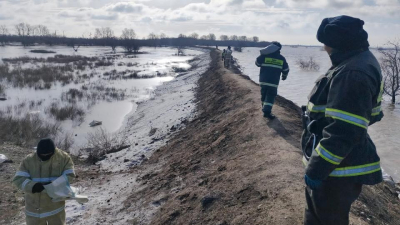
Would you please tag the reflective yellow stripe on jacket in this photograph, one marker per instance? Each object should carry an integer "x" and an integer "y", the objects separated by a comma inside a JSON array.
[
  {"x": 352, "y": 171},
  {"x": 271, "y": 62},
  {"x": 347, "y": 117},
  {"x": 376, "y": 111},
  {"x": 328, "y": 156},
  {"x": 316, "y": 108},
  {"x": 322, "y": 108}
]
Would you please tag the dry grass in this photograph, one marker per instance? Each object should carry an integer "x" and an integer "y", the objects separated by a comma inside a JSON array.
[
  {"x": 61, "y": 113},
  {"x": 64, "y": 59},
  {"x": 101, "y": 143},
  {"x": 103, "y": 63},
  {"x": 129, "y": 74},
  {"x": 309, "y": 65},
  {"x": 41, "y": 77},
  {"x": 2, "y": 89},
  {"x": 64, "y": 141},
  {"x": 26, "y": 130},
  {"x": 92, "y": 93}
]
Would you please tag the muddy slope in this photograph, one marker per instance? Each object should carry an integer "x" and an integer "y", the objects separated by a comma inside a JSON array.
[{"x": 232, "y": 166}]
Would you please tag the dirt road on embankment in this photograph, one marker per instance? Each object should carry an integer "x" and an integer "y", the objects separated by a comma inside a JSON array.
[{"x": 232, "y": 166}]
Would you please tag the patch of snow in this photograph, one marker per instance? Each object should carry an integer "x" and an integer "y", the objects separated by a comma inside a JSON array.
[{"x": 3, "y": 158}]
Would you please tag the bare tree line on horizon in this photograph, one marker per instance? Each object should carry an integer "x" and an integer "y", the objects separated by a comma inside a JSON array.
[{"x": 28, "y": 35}]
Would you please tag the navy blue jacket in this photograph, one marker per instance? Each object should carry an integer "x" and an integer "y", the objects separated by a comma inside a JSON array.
[
  {"x": 344, "y": 102},
  {"x": 272, "y": 64}
]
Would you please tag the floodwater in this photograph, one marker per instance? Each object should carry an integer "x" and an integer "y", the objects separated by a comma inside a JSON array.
[
  {"x": 112, "y": 113},
  {"x": 296, "y": 88}
]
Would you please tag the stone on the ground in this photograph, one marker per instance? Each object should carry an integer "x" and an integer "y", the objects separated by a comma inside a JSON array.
[{"x": 4, "y": 159}]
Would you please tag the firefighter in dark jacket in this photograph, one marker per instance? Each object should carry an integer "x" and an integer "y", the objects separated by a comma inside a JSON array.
[
  {"x": 339, "y": 155},
  {"x": 272, "y": 64}
]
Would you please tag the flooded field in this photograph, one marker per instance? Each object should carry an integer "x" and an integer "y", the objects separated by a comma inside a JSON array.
[
  {"x": 67, "y": 90},
  {"x": 299, "y": 84}
]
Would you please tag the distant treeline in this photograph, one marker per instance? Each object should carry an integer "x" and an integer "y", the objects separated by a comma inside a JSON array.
[{"x": 30, "y": 35}]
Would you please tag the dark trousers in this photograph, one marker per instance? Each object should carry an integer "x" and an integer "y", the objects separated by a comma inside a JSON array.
[
  {"x": 268, "y": 95},
  {"x": 330, "y": 204}
]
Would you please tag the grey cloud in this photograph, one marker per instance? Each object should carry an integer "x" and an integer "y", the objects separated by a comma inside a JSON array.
[
  {"x": 104, "y": 17},
  {"x": 282, "y": 24},
  {"x": 5, "y": 17},
  {"x": 171, "y": 4},
  {"x": 146, "y": 20},
  {"x": 14, "y": 1},
  {"x": 181, "y": 19},
  {"x": 126, "y": 8},
  {"x": 66, "y": 14},
  {"x": 269, "y": 2},
  {"x": 235, "y": 2},
  {"x": 341, "y": 4},
  {"x": 40, "y": 1}
]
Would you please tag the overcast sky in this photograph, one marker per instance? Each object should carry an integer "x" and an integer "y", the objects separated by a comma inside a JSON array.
[{"x": 288, "y": 21}]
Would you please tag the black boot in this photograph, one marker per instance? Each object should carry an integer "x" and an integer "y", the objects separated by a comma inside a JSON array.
[{"x": 269, "y": 116}]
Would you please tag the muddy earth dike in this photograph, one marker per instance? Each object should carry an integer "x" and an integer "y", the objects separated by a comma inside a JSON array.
[
  {"x": 228, "y": 166},
  {"x": 232, "y": 166}
]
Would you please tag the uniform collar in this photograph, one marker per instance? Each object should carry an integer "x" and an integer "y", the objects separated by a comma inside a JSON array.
[{"x": 338, "y": 57}]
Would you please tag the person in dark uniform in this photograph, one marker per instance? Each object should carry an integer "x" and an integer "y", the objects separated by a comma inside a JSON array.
[
  {"x": 339, "y": 155},
  {"x": 272, "y": 64}
]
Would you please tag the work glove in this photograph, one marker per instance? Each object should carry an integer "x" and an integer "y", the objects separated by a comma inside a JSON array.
[
  {"x": 284, "y": 77},
  {"x": 37, "y": 188},
  {"x": 313, "y": 184}
]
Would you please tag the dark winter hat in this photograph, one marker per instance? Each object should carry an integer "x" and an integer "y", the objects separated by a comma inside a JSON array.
[
  {"x": 343, "y": 33},
  {"x": 45, "y": 146},
  {"x": 277, "y": 44}
]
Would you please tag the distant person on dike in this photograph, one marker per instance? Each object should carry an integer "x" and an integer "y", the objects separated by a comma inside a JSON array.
[
  {"x": 339, "y": 155},
  {"x": 223, "y": 54},
  {"x": 228, "y": 57},
  {"x": 38, "y": 169},
  {"x": 272, "y": 64}
]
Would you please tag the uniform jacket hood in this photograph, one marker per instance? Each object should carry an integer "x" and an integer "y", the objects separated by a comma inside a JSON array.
[{"x": 269, "y": 49}]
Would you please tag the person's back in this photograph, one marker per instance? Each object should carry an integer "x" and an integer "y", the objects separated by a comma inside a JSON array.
[
  {"x": 228, "y": 57},
  {"x": 272, "y": 64}
]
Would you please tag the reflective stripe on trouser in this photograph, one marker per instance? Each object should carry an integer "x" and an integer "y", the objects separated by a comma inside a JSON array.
[
  {"x": 268, "y": 95},
  {"x": 46, "y": 214},
  {"x": 331, "y": 203},
  {"x": 58, "y": 219}
]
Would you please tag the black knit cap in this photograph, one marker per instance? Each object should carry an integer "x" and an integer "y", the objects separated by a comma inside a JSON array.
[
  {"x": 45, "y": 146},
  {"x": 343, "y": 33}
]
